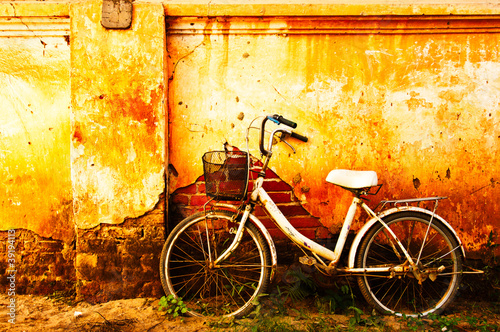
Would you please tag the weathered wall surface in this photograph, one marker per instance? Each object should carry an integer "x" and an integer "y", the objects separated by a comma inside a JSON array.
[
  {"x": 118, "y": 150},
  {"x": 87, "y": 124},
  {"x": 35, "y": 173},
  {"x": 413, "y": 98}
]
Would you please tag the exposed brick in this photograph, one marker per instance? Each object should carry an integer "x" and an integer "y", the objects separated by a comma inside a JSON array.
[
  {"x": 41, "y": 267},
  {"x": 276, "y": 233},
  {"x": 117, "y": 232},
  {"x": 50, "y": 246},
  {"x": 101, "y": 246},
  {"x": 155, "y": 232},
  {"x": 115, "y": 261},
  {"x": 281, "y": 197},
  {"x": 273, "y": 185},
  {"x": 181, "y": 213},
  {"x": 200, "y": 187},
  {"x": 268, "y": 223},
  {"x": 304, "y": 222},
  {"x": 259, "y": 211},
  {"x": 189, "y": 190},
  {"x": 271, "y": 175},
  {"x": 197, "y": 200},
  {"x": 151, "y": 289},
  {"x": 293, "y": 210},
  {"x": 323, "y": 233},
  {"x": 137, "y": 246},
  {"x": 91, "y": 291},
  {"x": 310, "y": 233},
  {"x": 180, "y": 199}
]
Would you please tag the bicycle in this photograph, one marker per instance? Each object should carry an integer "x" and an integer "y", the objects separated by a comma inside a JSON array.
[{"x": 407, "y": 259}]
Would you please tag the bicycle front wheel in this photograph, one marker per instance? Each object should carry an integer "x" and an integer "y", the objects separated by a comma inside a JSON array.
[
  {"x": 229, "y": 288},
  {"x": 400, "y": 292}
]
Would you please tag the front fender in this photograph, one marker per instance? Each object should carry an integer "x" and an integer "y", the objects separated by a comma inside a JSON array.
[{"x": 362, "y": 232}]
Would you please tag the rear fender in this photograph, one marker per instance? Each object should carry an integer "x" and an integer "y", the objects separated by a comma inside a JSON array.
[{"x": 364, "y": 230}]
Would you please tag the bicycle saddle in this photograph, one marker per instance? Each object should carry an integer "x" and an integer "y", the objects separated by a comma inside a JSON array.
[{"x": 352, "y": 179}]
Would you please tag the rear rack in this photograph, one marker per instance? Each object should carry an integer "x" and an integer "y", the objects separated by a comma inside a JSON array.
[{"x": 407, "y": 202}]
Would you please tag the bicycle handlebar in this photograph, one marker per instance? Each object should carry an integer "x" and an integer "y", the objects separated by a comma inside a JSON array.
[
  {"x": 299, "y": 137},
  {"x": 284, "y": 121},
  {"x": 278, "y": 119}
]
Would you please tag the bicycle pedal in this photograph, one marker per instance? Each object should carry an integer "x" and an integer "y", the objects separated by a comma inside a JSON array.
[{"x": 306, "y": 260}]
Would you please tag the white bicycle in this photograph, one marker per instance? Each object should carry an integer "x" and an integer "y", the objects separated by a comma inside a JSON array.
[{"x": 407, "y": 259}]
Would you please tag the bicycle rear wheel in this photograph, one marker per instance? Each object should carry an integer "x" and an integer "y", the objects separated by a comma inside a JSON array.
[
  {"x": 401, "y": 293},
  {"x": 229, "y": 289}
]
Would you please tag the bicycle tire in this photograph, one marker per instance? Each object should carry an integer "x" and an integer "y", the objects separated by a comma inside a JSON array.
[
  {"x": 400, "y": 293},
  {"x": 230, "y": 289}
]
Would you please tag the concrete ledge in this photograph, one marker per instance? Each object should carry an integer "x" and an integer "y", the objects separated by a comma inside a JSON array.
[
  {"x": 328, "y": 8},
  {"x": 193, "y": 8},
  {"x": 33, "y": 9},
  {"x": 454, "y": 24}
]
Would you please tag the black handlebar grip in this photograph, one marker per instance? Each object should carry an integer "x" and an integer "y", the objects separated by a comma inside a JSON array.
[
  {"x": 299, "y": 137},
  {"x": 284, "y": 121}
]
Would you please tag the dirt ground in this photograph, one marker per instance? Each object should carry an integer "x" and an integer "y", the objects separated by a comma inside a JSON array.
[{"x": 40, "y": 313}]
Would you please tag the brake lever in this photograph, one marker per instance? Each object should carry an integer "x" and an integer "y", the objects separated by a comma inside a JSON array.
[{"x": 293, "y": 149}]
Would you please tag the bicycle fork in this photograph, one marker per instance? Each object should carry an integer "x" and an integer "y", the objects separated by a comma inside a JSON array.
[{"x": 236, "y": 240}]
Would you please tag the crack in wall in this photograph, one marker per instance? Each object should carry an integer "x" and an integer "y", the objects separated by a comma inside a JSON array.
[
  {"x": 27, "y": 27},
  {"x": 183, "y": 57}
]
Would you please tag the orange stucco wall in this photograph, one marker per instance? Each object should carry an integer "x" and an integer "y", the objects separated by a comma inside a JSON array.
[
  {"x": 82, "y": 130},
  {"x": 35, "y": 170},
  {"x": 118, "y": 124}
]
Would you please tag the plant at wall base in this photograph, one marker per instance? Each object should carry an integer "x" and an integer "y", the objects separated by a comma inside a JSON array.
[
  {"x": 359, "y": 319},
  {"x": 333, "y": 301},
  {"x": 173, "y": 307},
  {"x": 412, "y": 323},
  {"x": 300, "y": 285}
]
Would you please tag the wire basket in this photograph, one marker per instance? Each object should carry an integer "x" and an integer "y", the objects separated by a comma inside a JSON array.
[{"x": 226, "y": 174}]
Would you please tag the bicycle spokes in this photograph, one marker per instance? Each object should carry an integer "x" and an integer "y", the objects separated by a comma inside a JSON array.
[
  {"x": 225, "y": 288},
  {"x": 407, "y": 288}
]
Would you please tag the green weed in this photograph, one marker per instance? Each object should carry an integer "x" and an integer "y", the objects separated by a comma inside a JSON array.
[{"x": 173, "y": 307}]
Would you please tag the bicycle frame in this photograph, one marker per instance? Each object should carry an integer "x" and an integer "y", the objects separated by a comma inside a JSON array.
[
  {"x": 333, "y": 256},
  {"x": 259, "y": 194}
]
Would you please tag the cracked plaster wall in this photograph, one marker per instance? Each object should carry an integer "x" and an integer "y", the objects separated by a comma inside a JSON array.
[
  {"x": 118, "y": 149},
  {"x": 35, "y": 170}
]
